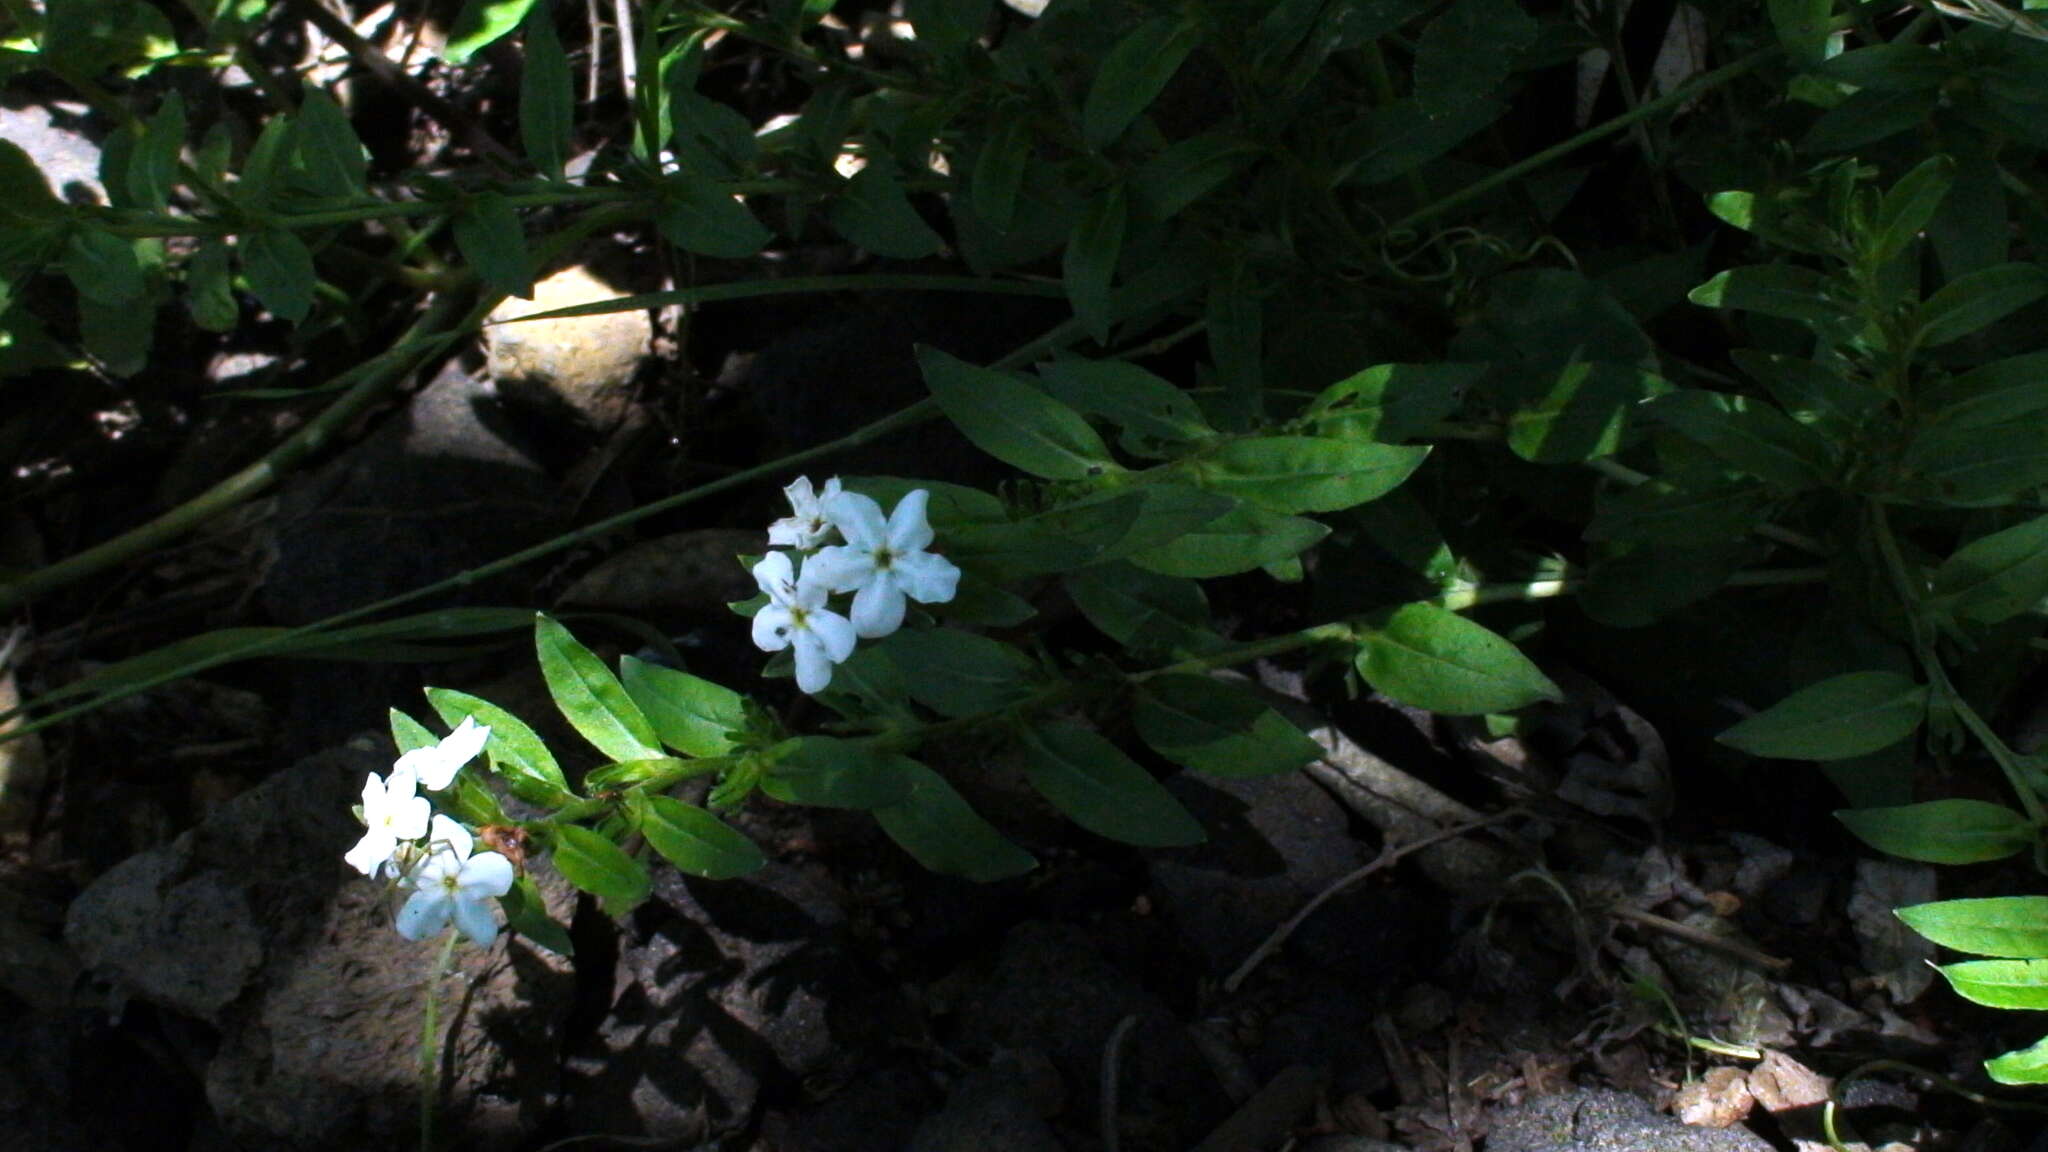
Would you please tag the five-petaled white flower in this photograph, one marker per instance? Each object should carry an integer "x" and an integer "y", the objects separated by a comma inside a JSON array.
[
  {"x": 436, "y": 766},
  {"x": 809, "y": 526},
  {"x": 452, "y": 884},
  {"x": 882, "y": 561},
  {"x": 395, "y": 812},
  {"x": 796, "y": 616}
]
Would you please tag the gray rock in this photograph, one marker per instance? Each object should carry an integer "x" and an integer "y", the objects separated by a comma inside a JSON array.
[
  {"x": 876, "y": 1111},
  {"x": 53, "y": 134},
  {"x": 1274, "y": 842},
  {"x": 1053, "y": 991},
  {"x": 721, "y": 996},
  {"x": 992, "y": 1108},
  {"x": 252, "y": 923},
  {"x": 688, "y": 577},
  {"x": 1603, "y": 1120},
  {"x": 441, "y": 488}
]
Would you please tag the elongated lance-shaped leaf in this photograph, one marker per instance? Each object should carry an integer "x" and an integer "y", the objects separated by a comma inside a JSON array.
[
  {"x": 694, "y": 840},
  {"x": 1840, "y": 717},
  {"x": 593, "y": 863},
  {"x": 2011, "y": 927},
  {"x": 516, "y": 751},
  {"x": 689, "y": 713},
  {"x": 1433, "y": 658},
  {"x": 590, "y": 697},
  {"x": 1104, "y": 790},
  {"x": 944, "y": 833},
  {"x": 1952, "y": 831},
  {"x": 1013, "y": 421}
]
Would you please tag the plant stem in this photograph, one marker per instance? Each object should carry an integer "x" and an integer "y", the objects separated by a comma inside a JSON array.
[
  {"x": 1690, "y": 90},
  {"x": 373, "y": 379},
  {"x": 1937, "y": 676},
  {"x": 430, "y": 1039},
  {"x": 907, "y": 417}
]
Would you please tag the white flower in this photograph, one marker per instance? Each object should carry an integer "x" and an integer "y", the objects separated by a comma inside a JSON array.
[
  {"x": 796, "y": 616},
  {"x": 452, "y": 884},
  {"x": 883, "y": 561},
  {"x": 395, "y": 812},
  {"x": 809, "y": 527},
  {"x": 436, "y": 767}
]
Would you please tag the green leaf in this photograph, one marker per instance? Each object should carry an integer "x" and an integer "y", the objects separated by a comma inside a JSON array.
[
  {"x": 1103, "y": 790},
  {"x": 1658, "y": 514},
  {"x": 25, "y": 196},
  {"x": 526, "y": 912},
  {"x": 1803, "y": 28},
  {"x": 1468, "y": 50},
  {"x": 330, "y": 155},
  {"x": 489, "y": 235},
  {"x": 1976, "y": 467},
  {"x": 1132, "y": 75},
  {"x": 600, "y": 867},
  {"x": 1143, "y": 610},
  {"x": 1909, "y": 206},
  {"x": 516, "y": 751},
  {"x": 547, "y": 95},
  {"x": 153, "y": 166},
  {"x": 210, "y": 288},
  {"x": 1585, "y": 414},
  {"x": 1239, "y": 540},
  {"x": 409, "y": 734},
  {"x": 694, "y": 840},
  {"x": 1393, "y": 402},
  {"x": 710, "y": 136},
  {"x": 947, "y": 25},
  {"x": 1168, "y": 512},
  {"x": 264, "y": 167},
  {"x": 2027, "y": 1065},
  {"x": 1811, "y": 393},
  {"x": 1640, "y": 584},
  {"x": 1842, "y": 716},
  {"x": 2012, "y": 927},
  {"x": 480, "y": 23},
  {"x": 874, "y": 214},
  {"x": 1890, "y": 67},
  {"x": 1869, "y": 116},
  {"x": 2000, "y": 983},
  {"x": 280, "y": 271},
  {"x": 1187, "y": 170},
  {"x": 1996, "y": 577},
  {"x": 1014, "y": 422},
  {"x": 960, "y": 674},
  {"x": 1211, "y": 725},
  {"x": 1981, "y": 298},
  {"x": 1090, "y": 261},
  {"x": 1307, "y": 473},
  {"x": 104, "y": 267},
  {"x": 1402, "y": 135},
  {"x": 590, "y": 697},
  {"x": 942, "y": 832},
  {"x": 1128, "y": 396},
  {"x": 118, "y": 335},
  {"x": 1432, "y": 658},
  {"x": 999, "y": 169},
  {"x": 1773, "y": 290},
  {"x": 689, "y": 714},
  {"x": 1752, "y": 437},
  {"x": 700, "y": 217},
  {"x": 1954, "y": 831},
  {"x": 1990, "y": 394},
  {"x": 827, "y": 772}
]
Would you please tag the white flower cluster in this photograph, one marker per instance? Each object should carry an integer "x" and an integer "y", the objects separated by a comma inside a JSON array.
[
  {"x": 882, "y": 561},
  {"x": 432, "y": 856}
]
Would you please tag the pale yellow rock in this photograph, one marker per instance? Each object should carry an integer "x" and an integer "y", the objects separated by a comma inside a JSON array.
[{"x": 582, "y": 365}]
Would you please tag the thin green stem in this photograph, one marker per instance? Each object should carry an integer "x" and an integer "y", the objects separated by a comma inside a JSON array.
[
  {"x": 1691, "y": 90},
  {"x": 907, "y": 417},
  {"x": 369, "y": 382},
  {"x": 1937, "y": 676},
  {"x": 430, "y": 1039}
]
